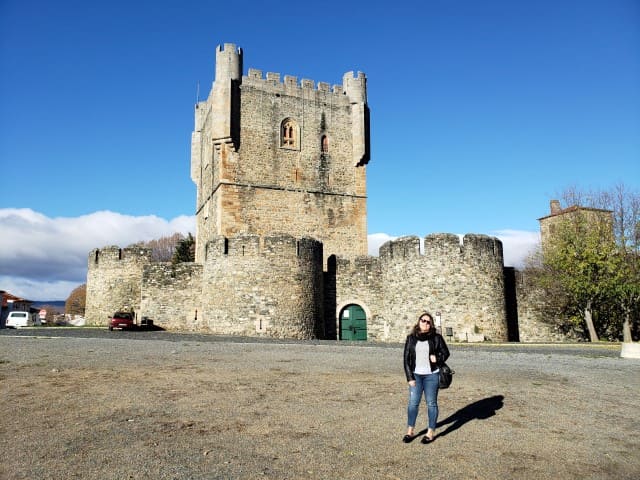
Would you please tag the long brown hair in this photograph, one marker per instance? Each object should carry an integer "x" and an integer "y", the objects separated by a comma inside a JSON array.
[{"x": 416, "y": 327}]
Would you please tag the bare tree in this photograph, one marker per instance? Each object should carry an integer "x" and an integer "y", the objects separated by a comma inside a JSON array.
[{"x": 163, "y": 248}]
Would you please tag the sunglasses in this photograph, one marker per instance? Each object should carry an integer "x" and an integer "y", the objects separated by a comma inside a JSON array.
[{"x": 422, "y": 320}]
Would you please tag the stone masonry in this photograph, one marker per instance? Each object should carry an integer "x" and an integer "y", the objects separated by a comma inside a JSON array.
[
  {"x": 281, "y": 239},
  {"x": 253, "y": 177}
]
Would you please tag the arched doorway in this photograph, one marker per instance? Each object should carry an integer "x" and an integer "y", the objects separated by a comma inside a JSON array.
[{"x": 353, "y": 323}]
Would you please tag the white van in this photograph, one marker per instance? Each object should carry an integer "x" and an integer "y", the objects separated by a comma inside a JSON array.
[{"x": 20, "y": 319}]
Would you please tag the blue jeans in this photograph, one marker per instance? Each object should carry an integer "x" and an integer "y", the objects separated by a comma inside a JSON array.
[{"x": 428, "y": 384}]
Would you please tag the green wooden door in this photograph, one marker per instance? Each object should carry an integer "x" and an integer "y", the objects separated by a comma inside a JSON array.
[{"x": 353, "y": 323}]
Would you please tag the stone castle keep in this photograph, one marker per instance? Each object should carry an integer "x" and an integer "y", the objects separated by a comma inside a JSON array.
[{"x": 281, "y": 240}]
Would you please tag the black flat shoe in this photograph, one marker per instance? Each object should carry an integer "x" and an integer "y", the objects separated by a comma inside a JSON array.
[
  {"x": 407, "y": 438},
  {"x": 426, "y": 439}
]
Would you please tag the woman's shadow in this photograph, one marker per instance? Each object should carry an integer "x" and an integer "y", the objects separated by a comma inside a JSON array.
[{"x": 480, "y": 410}]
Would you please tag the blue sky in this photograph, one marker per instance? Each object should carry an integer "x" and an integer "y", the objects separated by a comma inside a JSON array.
[{"x": 481, "y": 112}]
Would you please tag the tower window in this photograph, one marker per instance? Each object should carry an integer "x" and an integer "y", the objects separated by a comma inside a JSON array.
[
  {"x": 324, "y": 144},
  {"x": 289, "y": 134}
]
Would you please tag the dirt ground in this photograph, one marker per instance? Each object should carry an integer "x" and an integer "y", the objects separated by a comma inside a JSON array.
[{"x": 129, "y": 409}]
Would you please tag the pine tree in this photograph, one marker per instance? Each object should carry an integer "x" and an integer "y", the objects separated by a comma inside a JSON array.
[{"x": 185, "y": 250}]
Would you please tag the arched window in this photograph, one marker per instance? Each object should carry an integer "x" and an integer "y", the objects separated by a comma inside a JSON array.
[
  {"x": 289, "y": 134},
  {"x": 324, "y": 144}
]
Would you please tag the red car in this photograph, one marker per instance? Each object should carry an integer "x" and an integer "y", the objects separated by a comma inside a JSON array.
[{"x": 123, "y": 320}]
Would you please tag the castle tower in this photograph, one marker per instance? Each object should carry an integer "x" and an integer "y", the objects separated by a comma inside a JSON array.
[
  {"x": 263, "y": 285},
  {"x": 558, "y": 216},
  {"x": 114, "y": 281},
  {"x": 281, "y": 156}
]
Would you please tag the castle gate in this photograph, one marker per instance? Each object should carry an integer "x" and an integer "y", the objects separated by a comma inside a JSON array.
[{"x": 353, "y": 323}]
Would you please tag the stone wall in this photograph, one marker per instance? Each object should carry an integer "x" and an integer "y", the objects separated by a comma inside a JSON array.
[
  {"x": 281, "y": 231},
  {"x": 275, "y": 286},
  {"x": 308, "y": 214},
  {"x": 462, "y": 281},
  {"x": 538, "y": 320},
  {"x": 249, "y": 181},
  {"x": 359, "y": 281},
  {"x": 114, "y": 281},
  {"x": 171, "y": 295},
  {"x": 263, "y": 285}
]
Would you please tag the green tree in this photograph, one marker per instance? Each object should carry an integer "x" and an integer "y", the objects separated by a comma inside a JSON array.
[
  {"x": 626, "y": 295},
  {"x": 185, "y": 250},
  {"x": 552, "y": 303},
  {"x": 626, "y": 298},
  {"x": 590, "y": 263},
  {"x": 581, "y": 258}
]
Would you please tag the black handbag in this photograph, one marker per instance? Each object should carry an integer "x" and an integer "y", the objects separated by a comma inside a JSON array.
[{"x": 446, "y": 375}]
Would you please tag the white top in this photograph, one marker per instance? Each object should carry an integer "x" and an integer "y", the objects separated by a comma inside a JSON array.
[{"x": 423, "y": 366}]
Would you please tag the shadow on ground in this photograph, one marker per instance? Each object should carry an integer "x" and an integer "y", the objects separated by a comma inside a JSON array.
[{"x": 480, "y": 410}]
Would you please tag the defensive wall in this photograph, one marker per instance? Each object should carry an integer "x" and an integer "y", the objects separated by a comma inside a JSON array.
[
  {"x": 463, "y": 281},
  {"x": 353, "y": 88},
  {"x": 171, "y": 295},
  {"x": 247, "y": 285},
  {"x": 114, "y": 281},
  {"x": 281, "y": 232},
  {"x": 537, "y": 317},
  {"x": 263, "y": 285},
  {"x": 275, "y": 285}
]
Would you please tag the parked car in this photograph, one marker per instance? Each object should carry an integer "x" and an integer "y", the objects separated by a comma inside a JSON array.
[
  {"x": 127, "y": 321},
  {"x": 18, "y": 319},
  {"x": 122, "y": 320}
]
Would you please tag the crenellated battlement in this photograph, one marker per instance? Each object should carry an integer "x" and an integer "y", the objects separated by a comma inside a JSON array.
[
  {"x": 472, "y": 248},
  {"x": 482, "y": 247},
  {"x": 353, "y": 87},
  {"x": 248, "y": 245},
  {"x": 401, "y": 248},
  {"x": 114, "y": 255},
  {"x": 228, "y": 62},
  {"x": 281, "y": 157}
]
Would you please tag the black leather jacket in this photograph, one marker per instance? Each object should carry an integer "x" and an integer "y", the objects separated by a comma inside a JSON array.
[{"x": 437, "y": 347}]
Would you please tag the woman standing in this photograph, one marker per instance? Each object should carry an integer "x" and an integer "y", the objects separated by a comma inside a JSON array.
[{"x": 424, "y": 351}]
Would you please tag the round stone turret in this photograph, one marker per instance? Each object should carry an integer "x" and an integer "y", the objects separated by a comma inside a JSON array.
[
  {"x": 228, "y": 62},
  {"x": 268, "y": 285},
  {"x": 355, "y": 87}
]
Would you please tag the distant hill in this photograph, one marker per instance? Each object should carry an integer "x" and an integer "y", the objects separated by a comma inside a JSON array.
[{"x": 51, "y": 303}]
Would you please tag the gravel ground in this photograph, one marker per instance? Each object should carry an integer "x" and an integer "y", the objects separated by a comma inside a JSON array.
[{"x": 121, "y": 408}]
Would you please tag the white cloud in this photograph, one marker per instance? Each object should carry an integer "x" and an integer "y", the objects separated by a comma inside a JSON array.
[
  {"x": 517, "y": 245},
  {"x": 45, "y": 258},
  {"x": 376, "y": 240}
]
